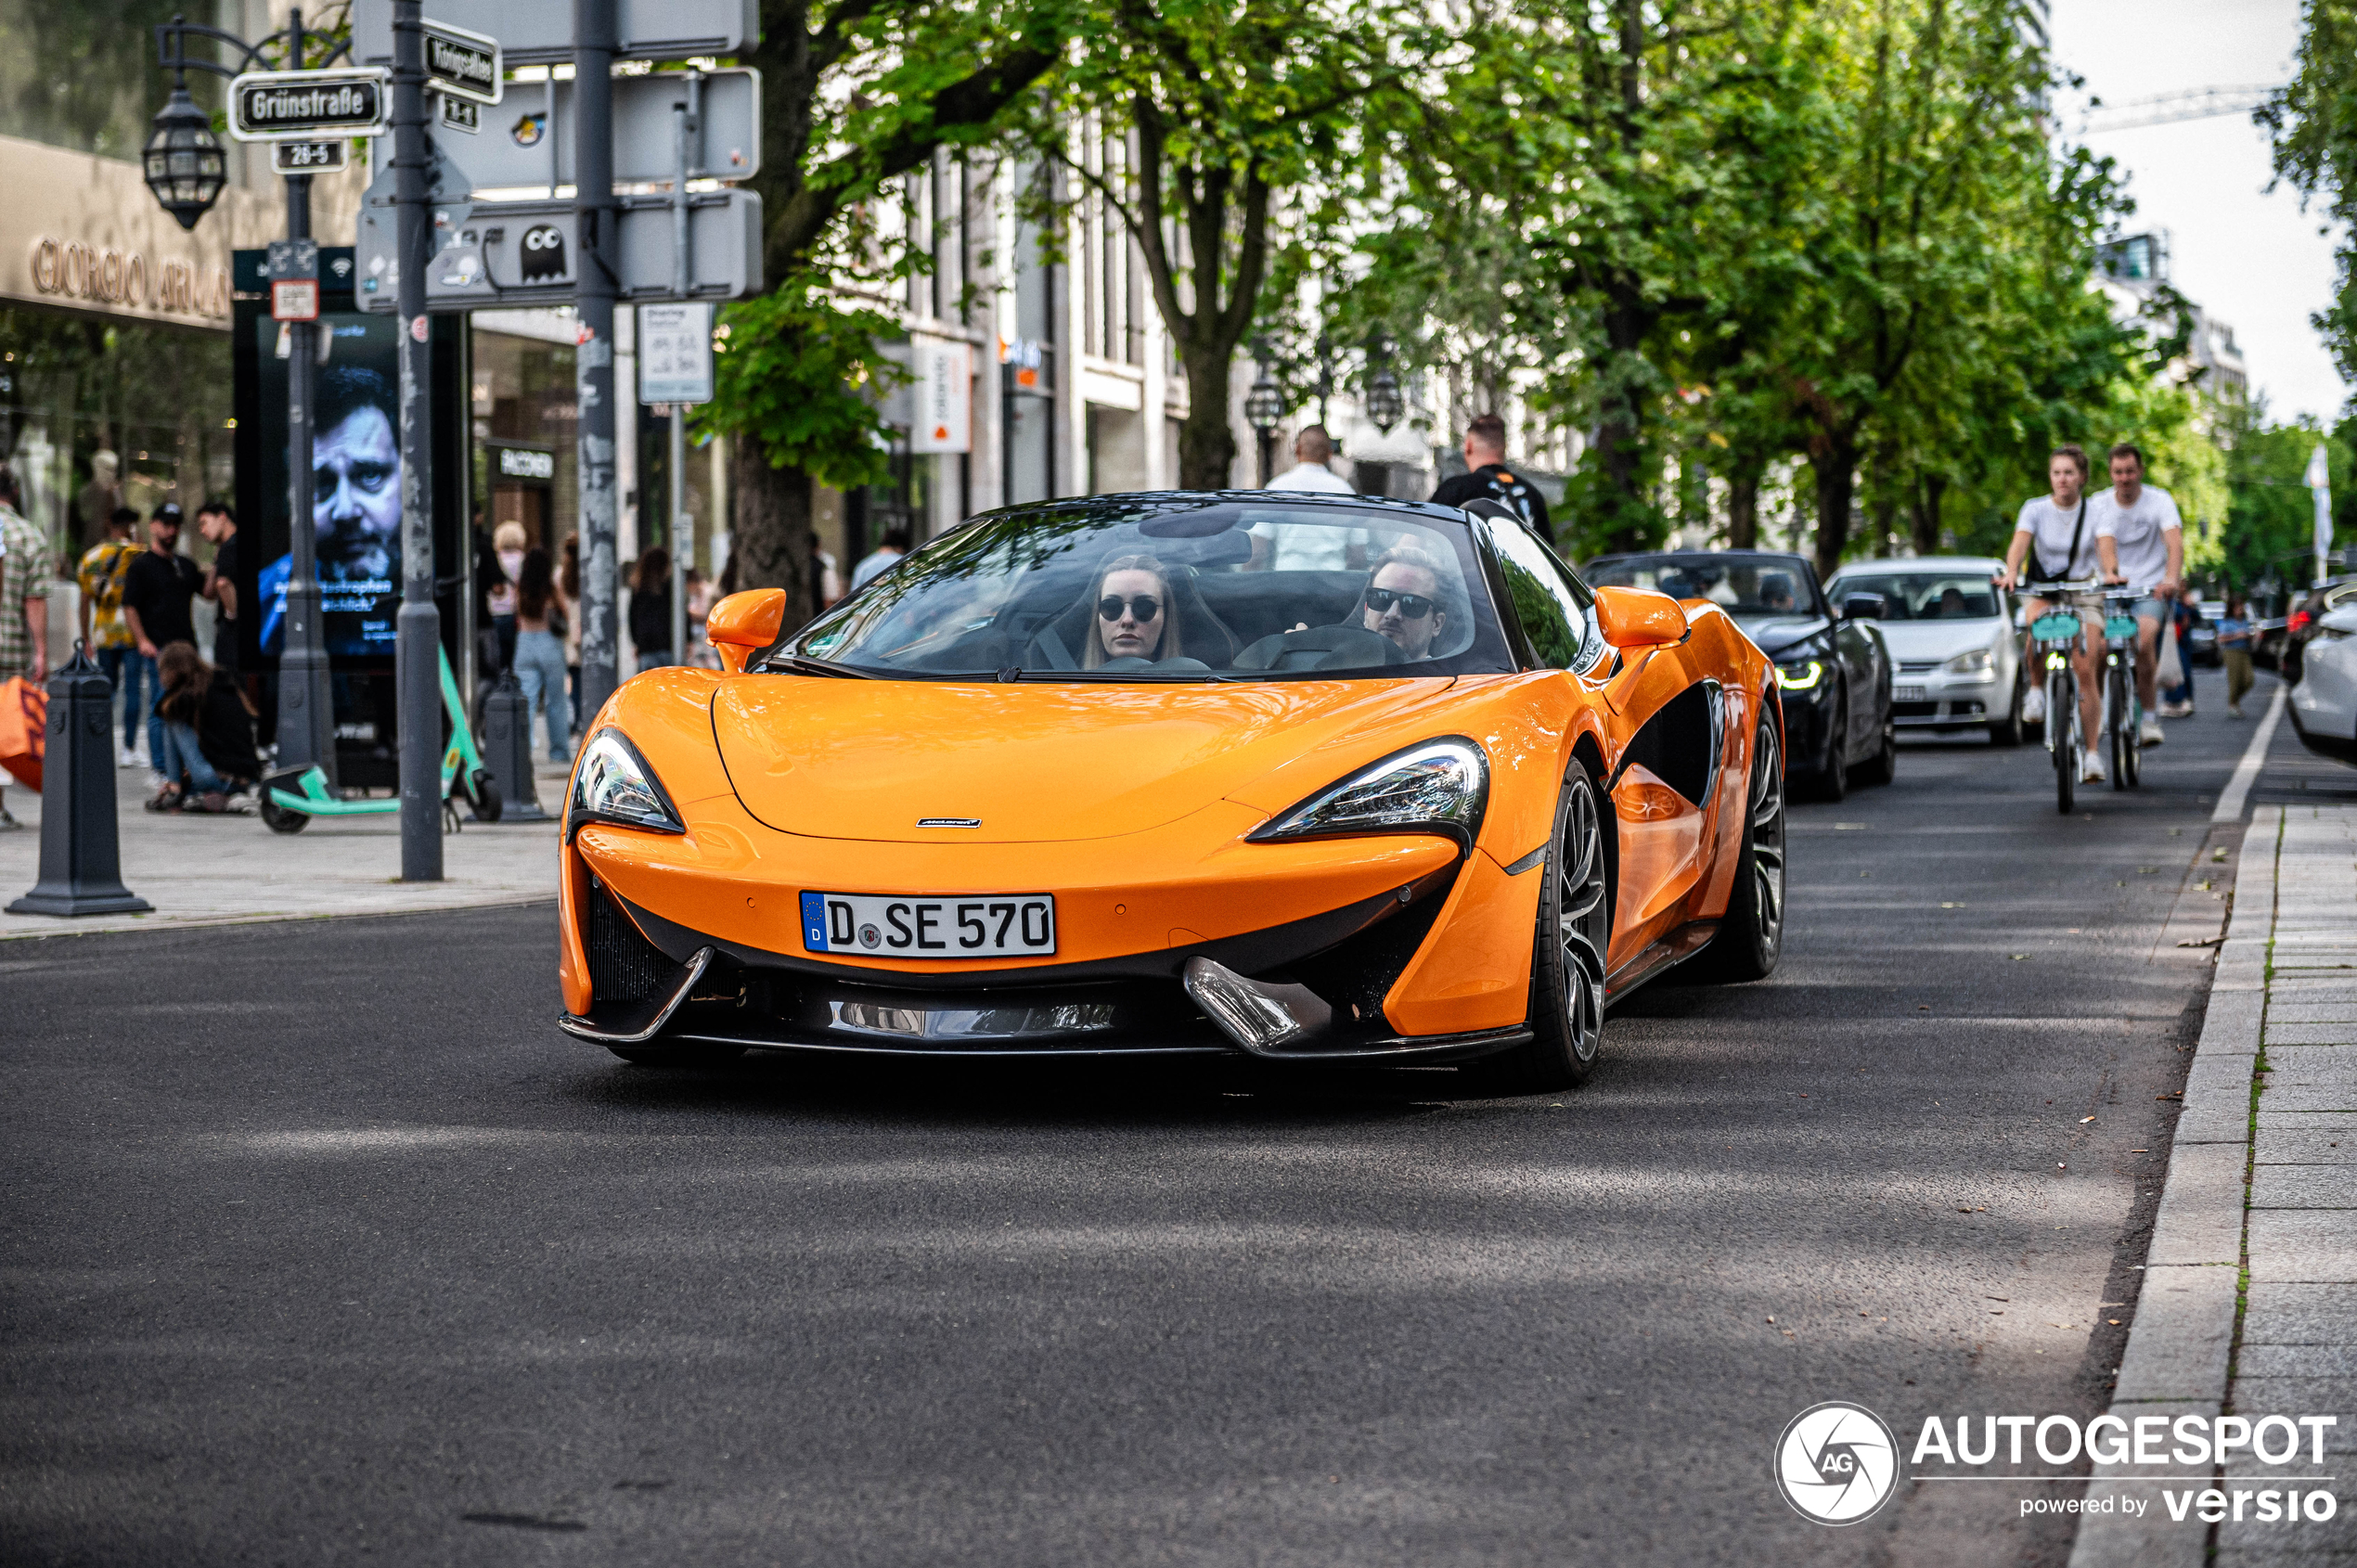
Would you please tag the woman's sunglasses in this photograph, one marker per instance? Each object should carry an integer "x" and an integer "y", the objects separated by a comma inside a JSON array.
[
  {"x": 1412, "y": 606},
  {"x": 1144, "y": 607}
]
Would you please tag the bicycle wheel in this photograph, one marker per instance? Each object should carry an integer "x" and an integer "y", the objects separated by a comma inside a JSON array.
[
  {"x": 2062, "y": 728},
  {"x": 2135, "y": 750},
  {"x": 2120, "y": 722}
]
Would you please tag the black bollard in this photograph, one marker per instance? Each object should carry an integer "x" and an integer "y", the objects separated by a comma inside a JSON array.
[
  {"x": 80, "y": 862},
  {"x": 506, "y": 748}
]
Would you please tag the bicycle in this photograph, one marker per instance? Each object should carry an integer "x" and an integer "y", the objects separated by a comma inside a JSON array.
[
  {"x": 2123, "y": 711},
  {"x": 2056, "y": 635}
]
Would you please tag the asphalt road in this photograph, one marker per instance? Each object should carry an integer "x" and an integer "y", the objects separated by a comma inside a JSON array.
[{"x": 324, "y": 1246}]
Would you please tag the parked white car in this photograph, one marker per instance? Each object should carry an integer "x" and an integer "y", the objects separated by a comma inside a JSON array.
[
  {"x": 2323, "y": 705},
  {"x": 1953, "y": 638}
]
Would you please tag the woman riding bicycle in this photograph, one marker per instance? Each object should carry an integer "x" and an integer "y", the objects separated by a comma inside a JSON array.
[{"x": 2057, "y": 539}]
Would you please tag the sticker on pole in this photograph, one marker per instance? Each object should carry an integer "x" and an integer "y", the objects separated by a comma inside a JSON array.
[
  {"x": 674, "y": 354},
  {"x": 294, "y": 299}
]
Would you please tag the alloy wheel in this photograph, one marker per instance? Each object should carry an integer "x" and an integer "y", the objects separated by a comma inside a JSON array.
[
  {"x": 1768, "y": 835},
  {"x": 1583, "y": 919}
]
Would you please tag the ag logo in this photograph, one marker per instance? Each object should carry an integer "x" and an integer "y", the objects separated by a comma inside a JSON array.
[
  {"x": 1836, "y": 1463},
  {"x": 544, "y": 253}
]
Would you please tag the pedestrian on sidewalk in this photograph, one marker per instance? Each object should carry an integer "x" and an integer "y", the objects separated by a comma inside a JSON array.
[
  {"x": 103, "y": 571},
  {"x": 540, "y": 656},
  {"x": 1312, "y": 450},
  {"x": 507, "y": 545},
  {"x": 1488, "y": 479},
  {"x": 24, "y": 599},
  {"x": 218, "y": 523},
  {"x": 826, "y": 583},
  {"x": 208, "y": 735},
  {"x": 2177, "y": 702},
  {"x": 2234, "y": 647},
  {"x": 157, "y": 591},
  {"x": 650, "y": 609}
]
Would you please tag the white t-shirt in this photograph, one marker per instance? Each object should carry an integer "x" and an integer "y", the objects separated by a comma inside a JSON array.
[
  {"x": 1312, "y": 476},
  {"x": 2049, "y": 528},
  {"x": 2137, "y": 530}
]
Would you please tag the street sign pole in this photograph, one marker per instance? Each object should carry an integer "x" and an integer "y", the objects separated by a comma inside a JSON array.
[
  {"x": 306, "y": 699},
  {"x": 418, "y": 629},
  {"x": 593, "y": 57},
  {"x": 674, "y": 374}
]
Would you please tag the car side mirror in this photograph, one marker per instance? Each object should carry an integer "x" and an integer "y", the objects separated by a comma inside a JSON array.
[
  {"x": 1639, "y": 618},
  {"x": 743, "y": 624},
  {"x": 1863, "y": 607}
]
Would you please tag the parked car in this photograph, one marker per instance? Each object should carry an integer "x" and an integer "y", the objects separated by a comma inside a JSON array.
[
  {"x": 1835, "y": 669},
  {"x": 2324, "y": 703},
  {"x": 1954, "y": 636},
  {"x": 2309, "y": 609}
]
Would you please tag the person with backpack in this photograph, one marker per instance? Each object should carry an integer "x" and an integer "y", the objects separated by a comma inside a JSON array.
[
  {"x": 2053, "y": 537},
  {"x": 1488, "y": 479}
]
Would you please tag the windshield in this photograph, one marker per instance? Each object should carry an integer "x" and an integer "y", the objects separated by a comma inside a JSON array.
[
  {"x": 1174, "y": 587},
  {"x": 1925, "y": 596},
  {"x": 1739, "y": 584}
]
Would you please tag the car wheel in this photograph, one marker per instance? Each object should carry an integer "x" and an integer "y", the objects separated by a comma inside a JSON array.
[
  {"x": 1751, "y": 937},
  {"x": 1883, "y": 766},
  {"x": 2010, "y": 730},
  {"x": 1567, "y": 957},
  {"x": 678, "y": 1056}
]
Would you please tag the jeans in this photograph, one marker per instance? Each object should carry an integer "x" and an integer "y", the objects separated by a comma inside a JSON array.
[
  {"x": 180, "y": 753},
  {"x": 540, "y": 665},
  {"x": 123, "y": 667}
]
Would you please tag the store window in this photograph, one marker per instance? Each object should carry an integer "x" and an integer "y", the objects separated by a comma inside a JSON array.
[{"x": 526, "y": 424}]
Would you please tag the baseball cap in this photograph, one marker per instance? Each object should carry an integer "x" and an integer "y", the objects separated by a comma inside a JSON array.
[{"x": 169, "y": 513}]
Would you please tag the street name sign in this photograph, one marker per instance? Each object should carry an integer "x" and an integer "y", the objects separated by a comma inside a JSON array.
[
  {"x": 462, "y": 64},
  {"x": 674, "y": 354},
  {"x": 541, "y": 32},
  {"x": 510, "y": 255},
  {"x": 286, "y": 106},
  {"x": 517, "y": 151},
  {"x": 307, "y": 158},
  {"x": 460, "y": 115}
]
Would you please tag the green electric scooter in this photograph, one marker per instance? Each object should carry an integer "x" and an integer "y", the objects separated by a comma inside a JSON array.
[{"x": 292, "y": 799}]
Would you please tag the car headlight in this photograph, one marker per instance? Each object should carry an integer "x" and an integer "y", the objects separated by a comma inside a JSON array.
[
  {"x": 1978, "y": 662},
  {"x": 1802, "y": 676},
  {"x": 614, "y": 784},
  {"x": 1440, "y": 786}
]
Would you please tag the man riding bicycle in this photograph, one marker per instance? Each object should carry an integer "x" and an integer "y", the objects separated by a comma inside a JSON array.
[
  {"x": 2056, "y": 534},
  {"x": 2142, "y": 542}
]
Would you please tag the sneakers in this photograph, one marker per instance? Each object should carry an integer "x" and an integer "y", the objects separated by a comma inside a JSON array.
[
  {"x": 2234, "y": 710},
  {"x": 125, "y": 757},
  {"x": 2176, "y": 709},
  {"x": 2034, "y": 706},
  {"x": 2090, "y": 769},
  {"x": 2150, "y": 732}
]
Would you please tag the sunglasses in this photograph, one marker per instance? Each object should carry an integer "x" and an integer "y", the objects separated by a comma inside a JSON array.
[
  {"x": 1412, "y": 606},
  {"x": 1145, "y": 607}
]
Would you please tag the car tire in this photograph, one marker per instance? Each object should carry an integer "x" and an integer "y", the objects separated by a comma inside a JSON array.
[
  {"x": 1751, "y": 936},
  {"x": 1883, "y": 766},
  {"x": 2010, "y": 730},
  {"x": 678, "y": 1056},
  {"x": 1567, "y": 957}
]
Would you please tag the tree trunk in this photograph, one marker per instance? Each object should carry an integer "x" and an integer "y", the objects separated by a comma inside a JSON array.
[
  {"x": 1930, "y": 490},
  {"x": 769, "y": 536},
  {"x": 1743, "y": 505},
  {"x": 1206, "y": 443},
  {"x": 1836, "y": 484}
]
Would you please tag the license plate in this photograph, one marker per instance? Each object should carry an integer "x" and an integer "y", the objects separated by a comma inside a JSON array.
[
  {"x": 1019, "y": 925},
  {"x": 1907, "y": 694}
]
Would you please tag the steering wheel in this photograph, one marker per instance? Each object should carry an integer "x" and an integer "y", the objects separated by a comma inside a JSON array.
[{"x": 1320, "y": 647}]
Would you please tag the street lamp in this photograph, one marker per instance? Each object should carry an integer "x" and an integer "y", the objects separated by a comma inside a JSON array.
[
  {"x": 1386, "y": 407},
  {"x": 1263, "y": 405},
  {"x": 184, "y": 165}
]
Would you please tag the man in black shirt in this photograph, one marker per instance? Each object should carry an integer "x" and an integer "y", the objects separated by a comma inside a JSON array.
[
  {"x": 156, "y": 591},
  {"x": 1486, "y": 457},
  {"x": 218, "y": 523}
]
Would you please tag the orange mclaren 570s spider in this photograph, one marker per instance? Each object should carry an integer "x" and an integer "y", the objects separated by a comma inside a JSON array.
[{"x": 1310, "y": 778}]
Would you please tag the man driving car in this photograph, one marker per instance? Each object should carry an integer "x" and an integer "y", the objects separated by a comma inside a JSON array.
[{"x": 1403, "y": 601}]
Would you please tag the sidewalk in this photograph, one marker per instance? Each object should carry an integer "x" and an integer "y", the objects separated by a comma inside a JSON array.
[
  {"x": 199, "y": 870},
  {"x": 2249, "y": 1301}
]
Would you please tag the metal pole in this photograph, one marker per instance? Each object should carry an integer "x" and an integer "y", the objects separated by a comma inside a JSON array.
[
  {"x": 682, "y": 528},
  {"x": 684, "y": 125},
  {"x": 306, "y": 698},
  {"x": 593, "y": 53},
  {"x": 417, "y": 630}
]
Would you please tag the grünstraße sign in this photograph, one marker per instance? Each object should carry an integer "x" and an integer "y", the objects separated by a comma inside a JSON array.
[{"x": 278, "y": 106}]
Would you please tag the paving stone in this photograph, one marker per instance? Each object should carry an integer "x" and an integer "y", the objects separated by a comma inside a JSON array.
[
  {"x": 2306, "y": 1100},
  {"x": 2319, "y": 1066},
  {"x": 2289, "y": 1146},
  {"x": 2305, "y": 1396},
  {"x": 2200, "y": 1219},
  {"x": 2307, "y": 1120},
  {"x": 2307, "y": 1187},
  {"x": 2152, "y": 1539},
  {"x": 2280, "y": 1011},
  {"x": 2183, "y": 1334},
  {"x": 2310, "y": 1033},
  {"x": 2315, "y": 1246},
  {"x": 2276, "y": 1313}
]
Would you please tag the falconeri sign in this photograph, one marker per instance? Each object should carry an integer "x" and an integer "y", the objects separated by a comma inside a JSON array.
[{"x": 278, "y": 106}]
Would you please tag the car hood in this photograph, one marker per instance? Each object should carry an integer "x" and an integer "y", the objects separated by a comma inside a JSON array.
[
  {"x": 1774, "y": 634},
  {"x": 1035, "y": 762},
  {"x": 1916, "y": 640}
]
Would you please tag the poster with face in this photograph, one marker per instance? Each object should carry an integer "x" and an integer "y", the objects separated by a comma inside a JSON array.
[{"x": 355, "y": 489}]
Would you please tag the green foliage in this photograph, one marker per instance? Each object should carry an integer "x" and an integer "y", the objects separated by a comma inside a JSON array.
[
  {"x": 2314, "y": 121},
  {"x": 2271, "y": 517},
  {"x": 802, "y": 377}
]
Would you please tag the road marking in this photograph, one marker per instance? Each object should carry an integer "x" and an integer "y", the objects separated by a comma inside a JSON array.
[{"x": 2230, "y": 804}]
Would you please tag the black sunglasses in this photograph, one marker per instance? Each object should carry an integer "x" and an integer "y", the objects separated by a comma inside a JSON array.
[
  {"x": 1145, "y": 607},
  {"x": 1412, "y": 606}
]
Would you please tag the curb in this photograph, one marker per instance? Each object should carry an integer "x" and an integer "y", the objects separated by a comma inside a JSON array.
[{"x": 2182, "y": 1339}]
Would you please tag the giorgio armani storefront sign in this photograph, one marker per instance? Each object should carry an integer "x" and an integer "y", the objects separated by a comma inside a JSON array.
[{"x": 107, "y": 275}]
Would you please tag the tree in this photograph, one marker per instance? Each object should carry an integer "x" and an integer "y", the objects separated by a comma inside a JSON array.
[
  {"x": 1235, "y": 106},
  {"x": 855, "y": 95},
  {"x": 2313, "y": 123}
]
